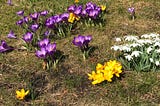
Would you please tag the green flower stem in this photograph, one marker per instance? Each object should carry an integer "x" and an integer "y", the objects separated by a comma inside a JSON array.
[{"x": 84, "y": 56}]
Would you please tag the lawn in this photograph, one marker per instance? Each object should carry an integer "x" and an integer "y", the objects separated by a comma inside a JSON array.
[{"x": 69, "y": 85}]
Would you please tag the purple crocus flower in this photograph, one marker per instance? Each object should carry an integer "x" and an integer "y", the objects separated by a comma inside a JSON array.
[
  {"x": 82, "y": 41},
  {"x": 78, "y": 10},
  {"x": 46, "y": 33},
  {"x": 44, "y": 42},
  {"x": 4, "y": 47},
  {"x": 42, "y": 53},
  {"x": 93, "y": 14},
  {"x": 25, "y": 19},
  {"x": 92, "y": 10},
  {"x": 28, "y": 37},
  {"x": 71, "y": 8},
  {"x": 50, "y": 22},
  {"x": 20, "y": 13},
  {"x": 9, "y": 2},
  {"x": 19, "y": 22},
  {"x": 88, "y": 39},
  {"x": 11, "y": 35},
  {"x": 64, "y": 16},
  {"x": 131, "y": 10},
  {"x": 57, "y": 18},
  {"x": 83, "y": 13},
  {"x": 98, "y": 9},
  {"x": 90, "y": 5},
  {"x": 34, "y": 27},
  {"x": 44, "y": 13},
  {"x": 79, "y": 41},
  {"x": 51, "y": 48},
  {"x": 34, "y": 16}
]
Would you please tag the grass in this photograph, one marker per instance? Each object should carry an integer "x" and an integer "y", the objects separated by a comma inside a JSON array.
[{"x": 69, "y": 85}]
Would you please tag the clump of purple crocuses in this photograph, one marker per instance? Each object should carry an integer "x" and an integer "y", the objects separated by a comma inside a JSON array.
[
  {"x": 46, "y": 52},
  {"x": 90, "y": 10},
  {"x": 83, "y": 43},
  {"x": 38, "y": 25},
  {"x": 90, "y": 14},
  {"x": 34, "y": 24},
  {"x": 4, "y": 47},
  {"x": 59, "y": 25}
]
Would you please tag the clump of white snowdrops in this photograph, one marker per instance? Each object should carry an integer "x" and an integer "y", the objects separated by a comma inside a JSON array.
[{"x": 140, "y": 53}]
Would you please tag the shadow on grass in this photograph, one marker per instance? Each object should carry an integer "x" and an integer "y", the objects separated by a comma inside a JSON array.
[
  {"x": 37, "y": 84},
  {"x": 92, "y": 49},
  {"x": 75, "y": 81},
  {"x": 60, "y": 56},
  {"x": 71, "y": 80}
]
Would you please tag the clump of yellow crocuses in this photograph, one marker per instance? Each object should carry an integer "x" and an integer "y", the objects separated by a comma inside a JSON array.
[
  {"x": 105, "y": 72},
  {"x": 21, "y": 94}
]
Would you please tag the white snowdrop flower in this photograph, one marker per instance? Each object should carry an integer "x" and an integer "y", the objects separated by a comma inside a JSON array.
[
  {"x": 157, "y": 39},
  {"x": 128, "y": 57},
  {"x": 120, "y": 47},
  {"x": 151, "y": 60},
  {"x": 118, "y": 39},
  {"x": 157, "y": 63},
  {"x": 126, "y": 48},
  {"x": 141, "y": 41},
  {"x": 144, "y": 41},
  {"x": 145, "y": 36},
  {"x": 154, "y": 35},
  {"x": 136, "y": 53},
  {"x": 115, "y": 48},
  {"x": 148, "y": 41},
  {"x": 157, "y": 44},
  {"x": 131, "y": 38},
  {"x": 149, "y": 49},
  {"x": 158, "y": 51},
  {"x": 151, "y": 35},
  {"x": 135, "y": 45}
]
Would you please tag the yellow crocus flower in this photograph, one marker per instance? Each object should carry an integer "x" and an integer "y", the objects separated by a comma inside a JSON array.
[
  {"x": 98, "y": 78},
  {"x": 114, "y": 66},
  {"x": 99, "y": 67},
  {"x": 92, "y": 76},
  {"x": 108, "y": 75},
  {"x": 103, "y": 7},
  {"x": 21, "y": 94},
  {"x": 73, "y": 17},
  {"x": 76, "y": 1},
  {"x": 117, "y": 70}
]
